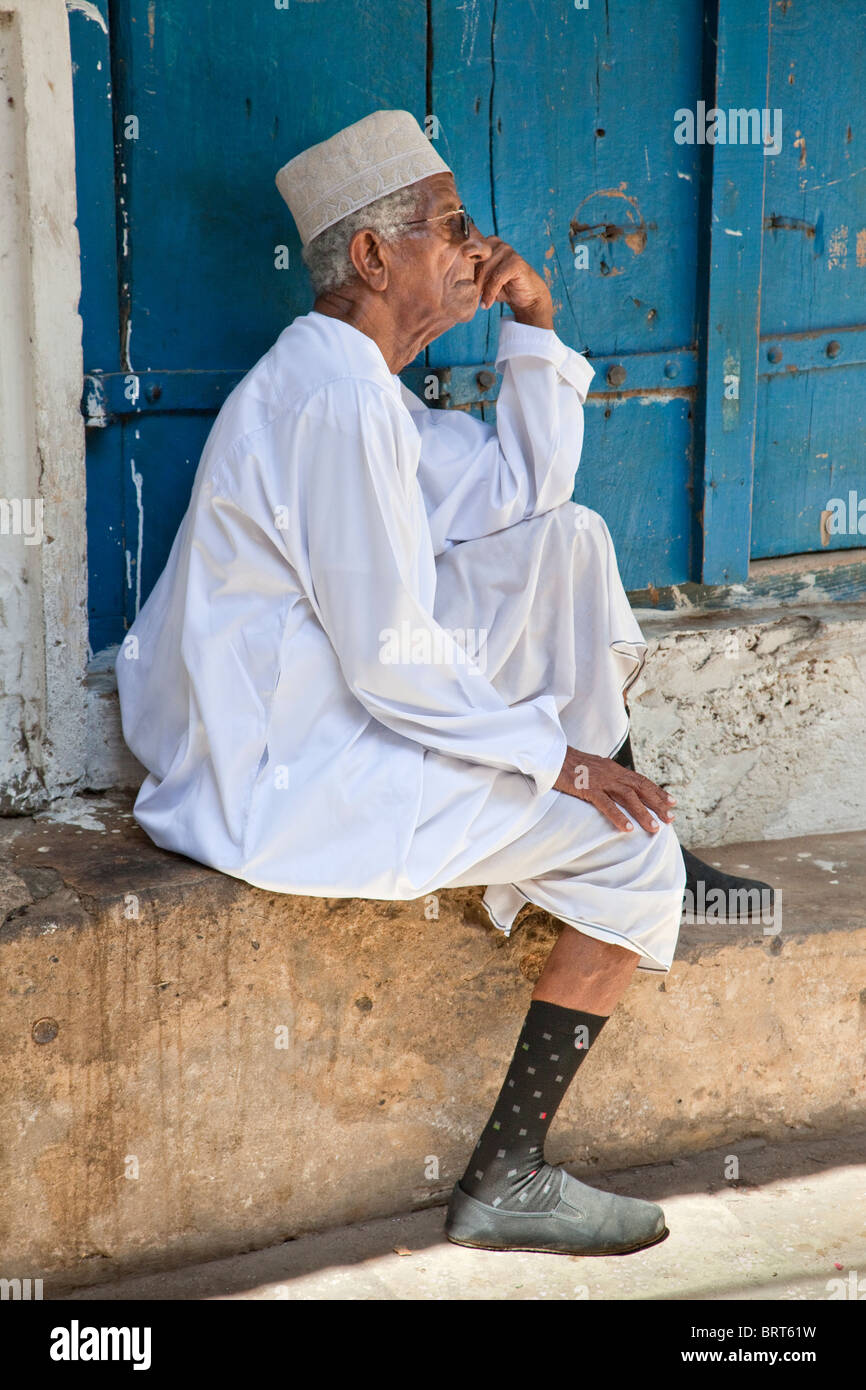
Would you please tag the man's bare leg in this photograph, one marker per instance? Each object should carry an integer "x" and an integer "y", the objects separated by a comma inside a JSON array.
[{"x": 584, "y": 973}]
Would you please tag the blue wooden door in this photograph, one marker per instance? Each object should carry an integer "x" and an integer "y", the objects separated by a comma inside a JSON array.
[
  {"x": 811, "y": 411},
  {"x": 559, "y": 123},
  {"x": 190, "y": 263}
]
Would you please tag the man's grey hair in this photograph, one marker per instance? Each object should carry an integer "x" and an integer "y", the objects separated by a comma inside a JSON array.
[{"x": 327, "y": 255}]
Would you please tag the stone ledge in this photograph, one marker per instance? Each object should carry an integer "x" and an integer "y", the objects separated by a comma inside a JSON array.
[{"x": 158, "y": 1050}]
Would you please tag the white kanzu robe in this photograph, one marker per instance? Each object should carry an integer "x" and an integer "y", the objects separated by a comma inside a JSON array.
[{"x": 377, "y": 631}]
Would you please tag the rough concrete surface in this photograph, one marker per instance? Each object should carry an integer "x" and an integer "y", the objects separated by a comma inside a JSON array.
[
  {"x": 757, "y": 725},
  {"x": 192, "y": 1067},
  {"x": 792, "y": 1226}
]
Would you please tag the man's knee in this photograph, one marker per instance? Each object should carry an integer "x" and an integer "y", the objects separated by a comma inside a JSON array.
[{"x": 655, "y": 860}]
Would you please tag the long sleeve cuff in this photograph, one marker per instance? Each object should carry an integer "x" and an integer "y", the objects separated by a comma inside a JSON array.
[
  {"x": 544, "y": 774},
  {"x": 526, "y": 340}
]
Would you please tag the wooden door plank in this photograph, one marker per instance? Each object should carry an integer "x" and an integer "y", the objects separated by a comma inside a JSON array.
[
  {"x": 810, "y": 435},
  {"x": 730, "y": 333}
]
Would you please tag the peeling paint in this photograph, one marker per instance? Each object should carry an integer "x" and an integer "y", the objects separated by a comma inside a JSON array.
[
  {"x": 643, "y": 397},
  {"x": 634, "y": 235},
  {"x": 137, "y": 483},
  {"x": 94, "y": 404},
  {"x": 89, "y": 11},
  {"x": 127, "y": 340},
  {"x": 471, "y": 16},
  {"x": 831, "y": 183},
  {"x": 837, "y": 253},
  {"x": 76, "y": 810},
  {"x": 800, "y": 144}
]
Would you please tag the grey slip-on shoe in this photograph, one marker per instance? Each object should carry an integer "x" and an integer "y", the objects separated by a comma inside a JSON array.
[{"x": 583, "y": 1222}]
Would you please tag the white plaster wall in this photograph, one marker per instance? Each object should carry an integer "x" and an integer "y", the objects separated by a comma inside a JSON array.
[
  {"x": 757, "y": 724},
  {"x": 43, "y": 586}
]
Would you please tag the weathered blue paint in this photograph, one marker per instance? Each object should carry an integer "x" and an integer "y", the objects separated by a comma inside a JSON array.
[
  {"x": 811, "y": 442},
  {"x": 149, "y": 393},
  {"x": 160, "y": 456},
  {"x": 106, "y": 536},
  {"x": 812, "y": 447},
  {"x": 152, "y": 393},
  {"x": 222, "y": 95},
  {"x": 95, "y": 186},
  {"x": 801, "y": 588},
  {"x": 559, "y": 124},
  {"x": 97, "y": 202},
  {"x": 819, "y": 350},
  {"x": 730, "y": 333}
]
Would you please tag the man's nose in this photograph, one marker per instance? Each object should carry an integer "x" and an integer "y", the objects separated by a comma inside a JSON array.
[{"x": 477, "y": 247}]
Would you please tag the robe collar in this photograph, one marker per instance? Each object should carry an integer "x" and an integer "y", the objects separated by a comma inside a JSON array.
[{"x": 363, "y": 347}]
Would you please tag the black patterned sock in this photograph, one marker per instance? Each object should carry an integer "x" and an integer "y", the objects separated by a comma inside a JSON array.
[{"x": 507, "y": 1168}]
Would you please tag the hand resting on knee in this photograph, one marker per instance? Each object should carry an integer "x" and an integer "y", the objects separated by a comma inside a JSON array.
[{"x": 608, "y": 786}]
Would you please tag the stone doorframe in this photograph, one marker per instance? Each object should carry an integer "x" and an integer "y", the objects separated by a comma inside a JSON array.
[{"x": 43, "y": 554}]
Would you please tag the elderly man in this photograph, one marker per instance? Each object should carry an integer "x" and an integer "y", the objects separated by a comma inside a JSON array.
[{"x": 389, "y": 655}]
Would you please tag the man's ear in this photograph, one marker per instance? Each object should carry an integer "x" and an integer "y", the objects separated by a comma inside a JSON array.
[{"x": 366, "y": 254}]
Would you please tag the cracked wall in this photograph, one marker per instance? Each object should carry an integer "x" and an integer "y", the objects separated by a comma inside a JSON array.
[{"x": 758, "y": 729}]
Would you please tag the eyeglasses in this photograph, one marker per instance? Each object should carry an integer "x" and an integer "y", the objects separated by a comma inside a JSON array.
[{"x": 465, "y": 220}]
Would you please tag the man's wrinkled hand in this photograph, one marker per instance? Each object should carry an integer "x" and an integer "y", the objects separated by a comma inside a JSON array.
[
  {"x": 506, "y": 278},
  {"x": 608, "y": 786}
]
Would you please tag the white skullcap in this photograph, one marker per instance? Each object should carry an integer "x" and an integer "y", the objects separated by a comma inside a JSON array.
[{"x": 382, "y": 152}]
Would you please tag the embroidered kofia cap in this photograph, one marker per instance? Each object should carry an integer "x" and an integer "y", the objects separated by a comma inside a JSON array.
[{"x": 382, "y": 152}]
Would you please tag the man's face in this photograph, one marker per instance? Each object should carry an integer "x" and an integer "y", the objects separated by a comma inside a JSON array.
[{"x": 436, "y": 269}]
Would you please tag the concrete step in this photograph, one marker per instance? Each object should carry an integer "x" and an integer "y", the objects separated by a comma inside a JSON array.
[
  {"x": 791, "y": 1226},
  {"x": 193, "y": 1067}
]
